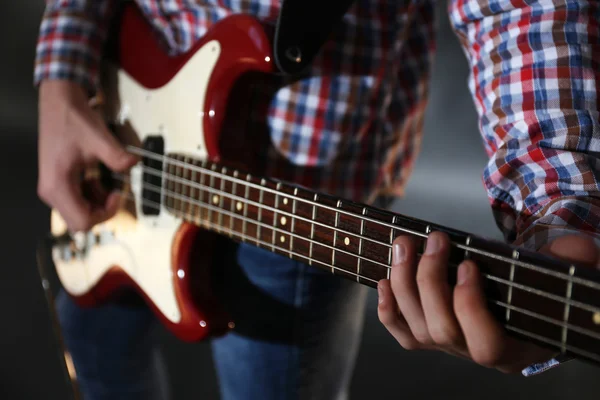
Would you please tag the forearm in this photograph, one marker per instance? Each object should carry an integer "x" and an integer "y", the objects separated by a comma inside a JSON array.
[{"x": 71, "y": 39}]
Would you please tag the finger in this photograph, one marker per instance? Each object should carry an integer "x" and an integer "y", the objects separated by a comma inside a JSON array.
[
  {"x": 107, "y": 210},
  {"x": 579, "y": 249},
  {"x": 387, "y": 311},
  {"x": 485, "y": 338},
  {"x": 105, "y": 146},
  {"x": 404, "y": 287},
  {"x": 436, "y": 294},
  {"x": 68, "y": 199}
]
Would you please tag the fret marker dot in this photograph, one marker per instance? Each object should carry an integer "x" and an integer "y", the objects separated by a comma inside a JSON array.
[
  {"x": 347, "y": 241},
  {"x": 239, "y": 206},
  {"x": 283, "y": 239},
  {"x": 285, "y": 200},
  {"x": 283, "y": 221},
  {"x": 215, "y": 199},
  {"x": 597, "y": 318}
]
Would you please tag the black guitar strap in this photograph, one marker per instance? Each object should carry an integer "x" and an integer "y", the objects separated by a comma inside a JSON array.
[{"x": 303, "y": 26}]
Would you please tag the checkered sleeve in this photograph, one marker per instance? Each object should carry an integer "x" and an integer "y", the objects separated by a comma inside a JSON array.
[
  {"x": 71, "y": 37},
  {"x": 535, "y": 73}
]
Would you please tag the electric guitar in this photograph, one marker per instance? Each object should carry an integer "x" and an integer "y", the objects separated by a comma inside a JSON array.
[{"x": 171, "y": 111}]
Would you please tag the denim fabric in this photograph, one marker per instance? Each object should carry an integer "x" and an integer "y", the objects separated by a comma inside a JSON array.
[{"x": 297, "y": 334}]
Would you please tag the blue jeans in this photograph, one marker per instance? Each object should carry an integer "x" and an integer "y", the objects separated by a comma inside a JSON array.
[{"x": 298, "y": 330}]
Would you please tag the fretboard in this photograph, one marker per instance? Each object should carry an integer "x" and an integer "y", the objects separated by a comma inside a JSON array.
[{"x": 540, "y": 299}]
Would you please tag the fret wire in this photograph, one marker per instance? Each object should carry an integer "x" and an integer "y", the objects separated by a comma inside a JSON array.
[
  {"x": 201, "y": 190},
  {"x": 293, "y": 224},
  {"x": 516, "y": 309},
  {"x": 525, "y": 265},
  {"x": 510, "y": 288},
  {"x": 389, "y": 271},
  {"x": 179, "y": 185},
  {"x": 194, "y": 178},
  {"x": 312, "y": 230},
  {"x": 362, "y": 227},
  {"x": 273, "y": 239},
  {"x": 208, "y": 199},
  {"x": 337, "y": 216},
  {"x": 222, "y": 187},
  {"x": 555, "y": 343},
  {"x": 170, "y": 201},
  {"x": 233, "y": 190},
  {"x": 567, "y": 309},
  {"x": 259, "y": 218},
  {"x": 467, "y": 243},
  {"x": 246, "y": 193}
]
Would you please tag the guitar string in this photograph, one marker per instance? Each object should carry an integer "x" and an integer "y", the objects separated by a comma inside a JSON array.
[
  {"x": 533, "y": 314},
  {"x": 511, "y": 261},
  {"x": 193, "y": 202},
  {"x": 188, "y": 182}
]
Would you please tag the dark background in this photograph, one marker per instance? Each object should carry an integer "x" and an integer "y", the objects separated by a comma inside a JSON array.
[{"x": 29, "y": 367}]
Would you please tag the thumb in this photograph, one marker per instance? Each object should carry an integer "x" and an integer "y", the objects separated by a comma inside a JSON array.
[
  {"x": 574, "y": 248},
  {"x": 106, "y": 147}
]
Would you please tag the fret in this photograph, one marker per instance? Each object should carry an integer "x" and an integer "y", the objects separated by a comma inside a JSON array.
[
  {"x": 467, "y": 243},
  {"x": 197, "y": 216},
  {"x": 510, "y": 287},
  {"x": 293, "y": 223},
  {"x": 185, "y": 190},
  {"x": 273, "y": 238},
  {"x": 234, "y": 193},
  {"x": 204, "y": 196},
  {"x": 259, "y": 211},
  {"x": 360, "y": 244},
  {"x": 192, "y": 193},
  {"x": 210, "y": 199},
  {"x": 390, "y": 255},
  {"x": 179, "y": 204},
  {"x": 171, "y": 188},
  {"x": 245, "y": 212},
  {"x": 567, "y": 309},
  {"x": 220, "y": 198},
  {"x": 312, "y": 229},
  {"x": 337, "y": 216}
]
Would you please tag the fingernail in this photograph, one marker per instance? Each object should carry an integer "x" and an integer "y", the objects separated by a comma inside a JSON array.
[
  {"x": 380, "y": 293},
  {"x": 464, "y": 270},
  {"x": 433, "y": 245},
  {"x": 399, "y": 253}
]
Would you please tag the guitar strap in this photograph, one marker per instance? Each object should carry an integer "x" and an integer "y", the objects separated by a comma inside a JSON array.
[{"x": 303, "y": 26}]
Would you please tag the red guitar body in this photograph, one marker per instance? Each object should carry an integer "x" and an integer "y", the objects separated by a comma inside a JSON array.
[{"x": 179, "y": 291}]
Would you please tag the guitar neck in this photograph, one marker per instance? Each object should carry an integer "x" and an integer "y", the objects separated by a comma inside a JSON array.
[{"x": 541, "y": 299}]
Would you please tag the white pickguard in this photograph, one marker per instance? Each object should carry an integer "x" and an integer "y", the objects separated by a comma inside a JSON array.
[{"x": 142, "y": 247}]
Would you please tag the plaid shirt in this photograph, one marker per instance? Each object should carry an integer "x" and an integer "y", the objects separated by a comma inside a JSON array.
[{"x": 354, "y": 127}]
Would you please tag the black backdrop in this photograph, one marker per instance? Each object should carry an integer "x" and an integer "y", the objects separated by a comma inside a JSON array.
[{"x": 30, "y": 368}]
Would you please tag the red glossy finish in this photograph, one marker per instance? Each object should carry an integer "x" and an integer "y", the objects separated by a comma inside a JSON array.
[
  {"x": 201, "y": 315},
  {"x": 244, "y": 47}
]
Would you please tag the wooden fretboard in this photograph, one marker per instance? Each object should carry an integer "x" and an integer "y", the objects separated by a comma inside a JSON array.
[{"x": 537, "y": 298}]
